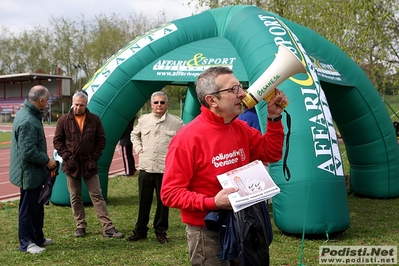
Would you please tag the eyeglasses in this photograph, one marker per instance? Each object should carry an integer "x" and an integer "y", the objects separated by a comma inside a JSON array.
[
  {"x": 233, "y": 89},
  {"x": 160, "y": 102}
]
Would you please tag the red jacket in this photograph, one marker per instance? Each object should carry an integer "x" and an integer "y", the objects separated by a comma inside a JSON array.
[{"x": 205, "y": 148}]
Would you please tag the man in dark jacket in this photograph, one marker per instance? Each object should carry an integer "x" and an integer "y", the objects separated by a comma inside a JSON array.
[
  {"x": 28, "y": 169},
  {"x": 79, "y": 139}
]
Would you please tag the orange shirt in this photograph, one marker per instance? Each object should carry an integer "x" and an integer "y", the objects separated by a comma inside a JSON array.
[{"x": 80, "y": 119}]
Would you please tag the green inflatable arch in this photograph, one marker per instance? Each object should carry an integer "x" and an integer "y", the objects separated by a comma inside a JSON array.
[{"x": 334, "y": 89}]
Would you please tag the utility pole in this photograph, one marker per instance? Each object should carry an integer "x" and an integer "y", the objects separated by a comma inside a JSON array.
[{"x": 79, "y": 68}]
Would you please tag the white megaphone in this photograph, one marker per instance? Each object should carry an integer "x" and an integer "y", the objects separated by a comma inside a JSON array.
[{"x": 285, "y": 65}]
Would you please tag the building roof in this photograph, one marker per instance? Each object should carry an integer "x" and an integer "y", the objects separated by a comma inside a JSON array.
[{"x": 26, "y": 77}]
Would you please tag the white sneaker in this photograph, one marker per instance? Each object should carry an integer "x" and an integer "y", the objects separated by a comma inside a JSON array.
[
  {"x": 35, "y": 249},
  {"x": 48, "y": 241}
]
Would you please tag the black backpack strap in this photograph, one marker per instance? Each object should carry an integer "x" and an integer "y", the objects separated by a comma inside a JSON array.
[{"x": 286, "y": 170}]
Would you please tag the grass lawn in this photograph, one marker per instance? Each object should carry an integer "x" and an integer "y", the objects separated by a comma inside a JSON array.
[
  {"x": 5, "y": 139},
  {"x": 94, "y": 249},
  {"x": 373, "y": 222}
]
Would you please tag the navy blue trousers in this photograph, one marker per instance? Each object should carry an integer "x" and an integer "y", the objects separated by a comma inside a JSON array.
[{"x": 30, "y": 219}]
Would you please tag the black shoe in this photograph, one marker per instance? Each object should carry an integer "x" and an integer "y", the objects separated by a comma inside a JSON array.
[
  {"x": 161, "y": 238},
  {"x": 136, "y": 237},
  {"x": 80, "y": 232}
]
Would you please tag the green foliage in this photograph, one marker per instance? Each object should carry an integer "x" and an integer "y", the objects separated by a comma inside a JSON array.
[
  {"x": 392, "y": 105},
  {"x": 344, "y": 157},
  {"x": 78, "y": 48},
  {"x": 365, "y": 229},
  {"x": 177, "y": 93}
]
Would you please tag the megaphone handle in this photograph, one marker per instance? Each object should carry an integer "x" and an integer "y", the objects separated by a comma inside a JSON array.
[{"x": 268, "y": 97}]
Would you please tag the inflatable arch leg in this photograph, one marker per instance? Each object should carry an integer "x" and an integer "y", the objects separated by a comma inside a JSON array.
[
  {"x": 193, "y": 105},
  {"x": 360, "y": 115}
]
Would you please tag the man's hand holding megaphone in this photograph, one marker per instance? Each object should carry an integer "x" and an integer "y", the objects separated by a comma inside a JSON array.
[{"x": 275, "y": 105}]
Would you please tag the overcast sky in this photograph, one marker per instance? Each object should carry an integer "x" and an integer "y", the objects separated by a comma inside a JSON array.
[{"x": 17, "y": 15}]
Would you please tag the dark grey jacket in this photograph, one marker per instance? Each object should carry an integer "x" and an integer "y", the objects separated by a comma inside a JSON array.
[{"x": 28, "y": 156}]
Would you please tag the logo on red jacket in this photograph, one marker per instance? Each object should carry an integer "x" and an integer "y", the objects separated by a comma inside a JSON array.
[{"x": 223, "y": 159}]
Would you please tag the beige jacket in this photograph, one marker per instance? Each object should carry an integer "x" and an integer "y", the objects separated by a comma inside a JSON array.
[{"x": 151, "y": 137}]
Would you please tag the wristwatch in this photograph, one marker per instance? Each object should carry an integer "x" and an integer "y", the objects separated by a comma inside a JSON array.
[{"x": 275, "y": 119}]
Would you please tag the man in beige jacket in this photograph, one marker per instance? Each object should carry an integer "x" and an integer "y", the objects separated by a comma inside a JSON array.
[{"x": 150, "y": 139}]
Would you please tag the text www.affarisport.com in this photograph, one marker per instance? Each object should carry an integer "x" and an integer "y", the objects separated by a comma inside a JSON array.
[{"x": 178, "y": 74}]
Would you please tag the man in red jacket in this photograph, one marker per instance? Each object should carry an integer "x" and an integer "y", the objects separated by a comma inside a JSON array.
[{"x": 213, "y": 143}]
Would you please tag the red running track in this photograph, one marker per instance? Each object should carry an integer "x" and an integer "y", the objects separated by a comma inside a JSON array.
[{"x": 10, "y": 192}]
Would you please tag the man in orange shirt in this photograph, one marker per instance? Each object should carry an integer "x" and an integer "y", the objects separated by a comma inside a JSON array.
[{"x": 79, "y": 139}]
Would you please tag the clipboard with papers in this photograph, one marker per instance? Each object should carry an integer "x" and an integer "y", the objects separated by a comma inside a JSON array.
[{"x": 254, "y": 184}]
